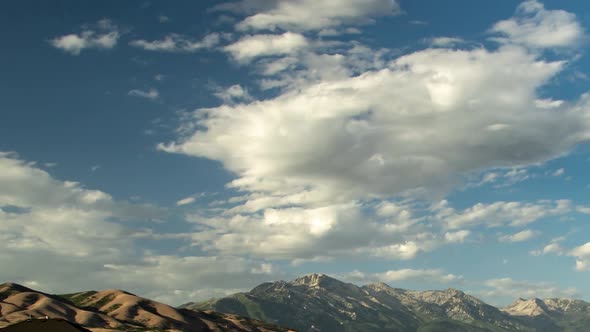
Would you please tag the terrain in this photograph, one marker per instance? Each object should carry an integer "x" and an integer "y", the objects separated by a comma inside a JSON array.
[
  {"x": 112, "y": 310},
  {"x": 318, "y": 302}
]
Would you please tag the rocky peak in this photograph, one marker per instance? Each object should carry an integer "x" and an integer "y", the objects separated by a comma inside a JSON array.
[
  {"x": 531, "y": 307},
  {"x": 379, "y": 286},
  {"x": 315, "y": 280}
]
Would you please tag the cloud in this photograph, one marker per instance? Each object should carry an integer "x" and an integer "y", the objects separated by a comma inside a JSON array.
[
  {"x": 163, "y": 19},
  {"x": 233, "y": 93},
  {"x": 507, "y": 287},
  {"x": 367, "y": 127},
  {"x": 457, "y": 237},
  {"x": 438, "y": 276},
  {"x": 536, "y": 27},
  {"x": 295, "y": 233},
  {"x": 105, "y": 36},
  {"x": 519, "y": 237},
  {"x": 151, "y": 94},
  {"x": 302, "y": 15},
  {"x": 559, "y": 172},
  {"x": 501, "y": 178},
  {"x": 501, "y": 213},
  {"x": 186, "y": 201},
  {"x": 177, "y": 280},
  {"x": 582, "y": 254},
  {"x": 47, "y": 223},
  {"x": 342, "y": 131},
  {"x": 445, "y": 41},
  {"x": 175, "y": 43},
  {"x": 250, "y": 47}
]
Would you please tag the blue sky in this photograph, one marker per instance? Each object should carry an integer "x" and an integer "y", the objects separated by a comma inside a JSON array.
[{"x": 195, "y": 150}]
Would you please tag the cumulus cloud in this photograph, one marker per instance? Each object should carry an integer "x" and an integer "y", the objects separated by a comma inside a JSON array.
[
  {"x": 103, "y": 35},
  {"x": 536, "y": 27},
  {"x": 342, "y": 132},
  {"x": 366, "y": 125},
  {"x": 250, "y": 47},
  {"x": 582, "y": 254},
  {"x": 301, "y": 15},
  {"x": 522, "y": 236},
  {"x": 175, "y": 43},
  {"x": 151, "y": 94},
  {"x": 508, "y": 287}
]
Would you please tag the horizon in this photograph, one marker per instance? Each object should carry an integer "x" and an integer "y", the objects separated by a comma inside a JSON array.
[{"x": 189, "y": 151}]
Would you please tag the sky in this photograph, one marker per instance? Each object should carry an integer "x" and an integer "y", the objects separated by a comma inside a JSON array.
[{"x": 196, "y": 149}]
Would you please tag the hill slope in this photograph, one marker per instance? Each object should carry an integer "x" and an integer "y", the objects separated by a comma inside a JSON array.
[{"x": 113, "y": 310}]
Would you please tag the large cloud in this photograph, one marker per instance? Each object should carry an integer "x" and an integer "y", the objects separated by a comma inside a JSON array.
[
  {"x": 299, "y": 15},
  {"x": 351, "y": 124},
  {"x": 425, "y": 119}
]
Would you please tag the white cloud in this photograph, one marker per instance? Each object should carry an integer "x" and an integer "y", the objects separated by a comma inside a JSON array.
[
  {"x": 438, "y": 276},
  {"x": 548, "y": 103},
  {"x": 519, "y": 237},
  {"x": 445, "y": 41},
  {"x": 552, "y": 247},
  {"x": 250, "y": 47},
  {"x": 186, "y": 201},
  {"x": 47, "y": 223},
  {"x": 149, "y": 94},
  {"x": 536, "y": 27},
  {"x": 358, "y": 119},
  {"x": 559, "y": 172},
  {"x": 582, "y": 254},
  {"x": 432, "y": 275},
  {"x": 177, "y": 280},
  {"x": 178, "y": 44},
  {"x": 105, "y": 38},
  {"x": 457, "y": 237},
  {"x": 163, "y": 19},
  {"x": 508, "y": 287},
  {"x": 501, "y": 213},
  {"x": 302, "y": 15},
  {"x": 233, "y": 93},
  {"x": 365, "y": 125}
]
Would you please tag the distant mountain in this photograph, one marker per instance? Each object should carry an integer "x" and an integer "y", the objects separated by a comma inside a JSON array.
[
  {"x": 109, "y": 310},
  {"x": 318, "y": 302}
]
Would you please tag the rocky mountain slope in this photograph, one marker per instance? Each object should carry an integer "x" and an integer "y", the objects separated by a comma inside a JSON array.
[
  {"x": 115, "y": 310},
  {"x": 320, "y": 303}
]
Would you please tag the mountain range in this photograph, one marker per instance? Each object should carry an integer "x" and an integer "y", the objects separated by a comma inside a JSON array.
[
  {"x": 318, "y": 302},
  {"x": 314, "y": 302}
]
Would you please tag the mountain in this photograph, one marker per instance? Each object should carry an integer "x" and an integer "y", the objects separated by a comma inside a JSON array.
[
  {"x": 317, "y": 302},
  {"x": 110, "y": 310},
  {"x": 552, "y": 314}
]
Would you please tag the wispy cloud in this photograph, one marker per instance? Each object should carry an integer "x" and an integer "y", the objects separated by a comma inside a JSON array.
[
  {"x": 151, "y": 94},
  {"x": 175, "y": 43}
]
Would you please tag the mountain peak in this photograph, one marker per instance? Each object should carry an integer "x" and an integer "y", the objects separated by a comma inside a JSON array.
[
  {"x": 530, "y": 307},
  {"x": 315, "y": 280},
  {"x": 379, "y": 286}
]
